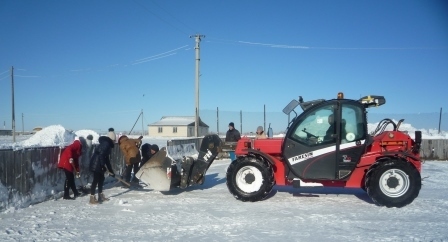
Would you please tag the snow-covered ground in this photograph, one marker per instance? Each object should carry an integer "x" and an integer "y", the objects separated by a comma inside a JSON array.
[{"x": 210, "y": 213}]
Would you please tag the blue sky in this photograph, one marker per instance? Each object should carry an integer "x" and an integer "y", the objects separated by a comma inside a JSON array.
[{"x": 97, "y": 64}]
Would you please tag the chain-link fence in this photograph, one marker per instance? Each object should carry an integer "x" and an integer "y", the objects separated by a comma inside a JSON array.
[{"x": 248, "y": 121}]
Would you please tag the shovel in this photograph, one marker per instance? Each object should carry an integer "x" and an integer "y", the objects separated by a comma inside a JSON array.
[
  {"x": 123, "y": 181},
  {"x": 83, "y": 188}
]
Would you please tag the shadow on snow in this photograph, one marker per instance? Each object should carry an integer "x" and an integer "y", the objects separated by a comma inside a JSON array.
[
  {"x": 211, "y": 180},
  {"x": 320, "y": 190}
]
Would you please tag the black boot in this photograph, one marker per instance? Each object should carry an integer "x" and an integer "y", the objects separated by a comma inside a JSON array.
[{"x": 66, "y": 191}]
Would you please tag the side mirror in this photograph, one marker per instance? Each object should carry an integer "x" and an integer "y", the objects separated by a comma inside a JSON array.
[{"x": 290, "y": 107}]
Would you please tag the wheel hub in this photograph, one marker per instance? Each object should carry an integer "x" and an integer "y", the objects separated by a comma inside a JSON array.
[
  {"x": 249, "y": 178},
  {"x": 394, "y": 183}
]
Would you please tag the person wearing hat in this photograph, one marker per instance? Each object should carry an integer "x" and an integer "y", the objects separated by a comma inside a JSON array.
[
  {"x": 154, "y": 149},
  {"x": 260, "y": 133},
  {"x": 111, "y": 134},
  {"x": 146, "y": 154},
  {"x": 232, "y": 135},
  {"x": 100, "y": 163}
]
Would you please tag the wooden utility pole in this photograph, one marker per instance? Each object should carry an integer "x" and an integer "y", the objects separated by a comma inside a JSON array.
[
  {"x": 197, "y": 50},
  {"x": 13, "y": 112}
]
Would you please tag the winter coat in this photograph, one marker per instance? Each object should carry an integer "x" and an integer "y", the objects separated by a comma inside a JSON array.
[
  {"x": 146, "y": 153},
  {"x": 233, "y": 135},
  {"x": 101, "y": 156},
  {"x": 261, "y": 135},
  {"x": 73, "y": 151},
  {"x": 130, "y": 149}
]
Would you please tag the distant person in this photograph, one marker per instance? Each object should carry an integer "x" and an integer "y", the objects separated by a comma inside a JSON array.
[
  {"x": 260, "y": 133},
  {"x": 232, "y": 135},
  {"x": 100, "y": 163},
  {"x": 111, "y": 134},
  {"x": 131, "y": 151},
  {"x": 69, "y": 163}
]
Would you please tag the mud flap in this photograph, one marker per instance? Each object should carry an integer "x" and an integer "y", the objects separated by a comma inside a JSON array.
[{"x": 157, "y": 171}]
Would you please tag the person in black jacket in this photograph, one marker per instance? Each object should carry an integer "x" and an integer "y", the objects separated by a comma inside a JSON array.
[
  {"x": 232, "y": 135},
  {"x": 146, "y": 153},
  {"x": 154, "y": 149},
  {"x": 99, "y": 163}
]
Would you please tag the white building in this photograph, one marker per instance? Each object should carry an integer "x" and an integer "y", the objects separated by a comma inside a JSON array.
[{"x": 176, "y": 126}]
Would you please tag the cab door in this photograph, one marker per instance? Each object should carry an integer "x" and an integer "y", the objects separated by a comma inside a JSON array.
[
  {"x": 311, "y": 143},
  {"x": 353, "y": 130}
]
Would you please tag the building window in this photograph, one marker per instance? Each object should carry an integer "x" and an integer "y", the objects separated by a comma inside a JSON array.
[
  {"x": 160, "y": 130},
  {"x": 174, "y": 129}
]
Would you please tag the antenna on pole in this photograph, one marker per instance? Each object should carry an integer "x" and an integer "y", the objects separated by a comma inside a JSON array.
[{"x": 197, "y": 50}]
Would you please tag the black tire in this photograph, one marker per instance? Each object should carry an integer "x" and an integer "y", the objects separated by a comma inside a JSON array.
[
  {"x": 250, "y": 179},
  {"x": 393, "y": 183}
]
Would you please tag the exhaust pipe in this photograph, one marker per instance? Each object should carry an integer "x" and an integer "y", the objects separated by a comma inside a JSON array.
[{"x": 418, "y": 142}]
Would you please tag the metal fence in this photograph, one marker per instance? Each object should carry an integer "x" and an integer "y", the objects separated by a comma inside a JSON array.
[{"x": 31, "y": 175}]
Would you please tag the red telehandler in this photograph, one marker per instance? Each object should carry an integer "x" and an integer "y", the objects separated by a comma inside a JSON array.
[{"x": 328, "y": 143}]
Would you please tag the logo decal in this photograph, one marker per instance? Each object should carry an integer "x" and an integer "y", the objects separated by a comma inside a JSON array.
[
  {"x": 346, "y": 158},
  {"x": 300, "y": 158}
]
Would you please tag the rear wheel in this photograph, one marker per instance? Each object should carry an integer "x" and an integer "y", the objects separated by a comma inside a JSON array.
[
  {"x": 393, "y": 183},
  {"x": 250, "y": 179}
]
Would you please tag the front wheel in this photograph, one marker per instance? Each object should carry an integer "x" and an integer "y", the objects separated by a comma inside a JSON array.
[
  {"x": 393, "y": 183},
  {"x": 250, "y": 179}
]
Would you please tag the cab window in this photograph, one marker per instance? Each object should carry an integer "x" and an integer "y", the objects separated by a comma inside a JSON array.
[
  {"x": 316, "y": 127},
  {"x": 352, "y": 124}
]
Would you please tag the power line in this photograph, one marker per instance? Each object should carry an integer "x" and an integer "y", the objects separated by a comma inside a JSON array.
[
  {"x": 240, "y": 42},
  {"x": 161, "y": 19},
  {"x": 173, "y": 16},
  {"x": 4, "y": 72},
  {"x": 26, "y": 76}
]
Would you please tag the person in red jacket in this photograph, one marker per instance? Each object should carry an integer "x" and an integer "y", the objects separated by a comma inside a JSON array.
[{"x": 69, "y": 163}]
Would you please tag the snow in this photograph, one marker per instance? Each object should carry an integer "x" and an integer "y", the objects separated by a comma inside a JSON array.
[
  {"x": 209, "y": 212},
  {"x": 54, "y": 135}
]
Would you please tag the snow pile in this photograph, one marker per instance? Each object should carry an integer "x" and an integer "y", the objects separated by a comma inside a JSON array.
[
  {"x": 85, "y": 132},
  {"x": 54, "y": 135}
]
